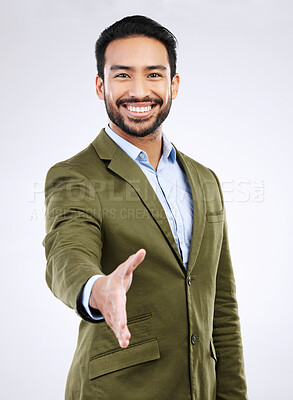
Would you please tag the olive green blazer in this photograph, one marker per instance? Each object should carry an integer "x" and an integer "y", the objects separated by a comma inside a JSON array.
[{"x": 186, "y": 341}]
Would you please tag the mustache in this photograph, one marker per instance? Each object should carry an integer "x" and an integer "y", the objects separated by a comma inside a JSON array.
[{"x": 146, "y": 99}]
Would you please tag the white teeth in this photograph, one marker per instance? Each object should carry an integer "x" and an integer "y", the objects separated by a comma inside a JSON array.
[{"x": 139, "y": 109}]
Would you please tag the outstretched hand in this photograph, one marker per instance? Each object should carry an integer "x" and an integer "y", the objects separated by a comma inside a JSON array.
[{"x": 109, "y": 296}]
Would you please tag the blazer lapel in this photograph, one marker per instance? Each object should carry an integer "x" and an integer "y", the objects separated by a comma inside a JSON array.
[
  {"x": 199, "y": 208},
  {"x": 127, "y": 169}
]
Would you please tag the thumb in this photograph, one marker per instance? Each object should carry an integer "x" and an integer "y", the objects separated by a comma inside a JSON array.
[{"x": 133, "y": 261}]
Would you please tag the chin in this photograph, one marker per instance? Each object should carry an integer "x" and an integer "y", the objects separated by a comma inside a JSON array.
[{"x": 142, "y": 132}]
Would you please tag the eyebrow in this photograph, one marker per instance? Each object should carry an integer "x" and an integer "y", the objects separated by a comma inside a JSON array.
[
  {"x": 128, "y": 68},
  {"x": 160, "y": 67},
  {"x": 118, "y": 66}
]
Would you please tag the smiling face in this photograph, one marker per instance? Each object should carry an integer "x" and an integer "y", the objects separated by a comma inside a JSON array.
[{"x": 137, "y": 87}]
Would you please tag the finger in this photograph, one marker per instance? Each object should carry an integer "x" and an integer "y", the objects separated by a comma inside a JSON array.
[
  {"x": 121, "y": 330},
  {"x": 124, "y": 337}
]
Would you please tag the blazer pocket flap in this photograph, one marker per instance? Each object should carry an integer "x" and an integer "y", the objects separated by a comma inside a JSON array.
[
  {"x": 123, "y": 358},
  {"x": 213, "y": 351},
  {"x": 216, "y": 216}
]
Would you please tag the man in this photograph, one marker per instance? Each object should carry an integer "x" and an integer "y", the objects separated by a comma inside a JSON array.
[{"x": 137, "y": 243}]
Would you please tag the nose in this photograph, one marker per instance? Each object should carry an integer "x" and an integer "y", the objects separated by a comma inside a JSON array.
[{"x": 139, "y": 88}]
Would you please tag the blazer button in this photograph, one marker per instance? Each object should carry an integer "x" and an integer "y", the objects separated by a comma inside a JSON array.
[
  {"x": 189, "y": 280},
  {"x": 193, "y": 339}
]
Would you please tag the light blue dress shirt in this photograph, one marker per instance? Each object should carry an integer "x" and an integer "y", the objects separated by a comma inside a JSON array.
[{"x": 173, "y": 190}]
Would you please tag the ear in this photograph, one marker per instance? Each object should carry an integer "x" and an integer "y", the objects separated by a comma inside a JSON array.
[
  {"x": 175, "y": 86},
  {"x": 100, "y": 87}
]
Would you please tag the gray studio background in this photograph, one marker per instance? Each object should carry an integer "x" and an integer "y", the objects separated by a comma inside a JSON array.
[{"x": 233, "y": 114}]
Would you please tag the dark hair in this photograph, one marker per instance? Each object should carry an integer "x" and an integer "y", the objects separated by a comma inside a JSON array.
[{"x": 135, "y": 25}]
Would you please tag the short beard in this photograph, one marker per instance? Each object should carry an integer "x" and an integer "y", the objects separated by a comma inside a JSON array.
[{"x": 118, "y": 120}]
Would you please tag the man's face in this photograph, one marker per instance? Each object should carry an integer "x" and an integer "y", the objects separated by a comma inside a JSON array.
[{"x": 137, "y": 87}]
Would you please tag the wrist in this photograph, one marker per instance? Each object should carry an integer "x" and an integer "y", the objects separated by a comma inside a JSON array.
[{"x": 96, "y": 293}]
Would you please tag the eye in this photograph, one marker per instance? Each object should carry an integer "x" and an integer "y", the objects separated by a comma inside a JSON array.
[
  {"x": 155, "y": 75},
  {"x": 121, "y": 75}
]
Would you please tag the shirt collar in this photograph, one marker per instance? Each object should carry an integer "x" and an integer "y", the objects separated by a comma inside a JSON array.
[
  {"x": 134, "y": 152},
  {"x": 168, "y": 150}
]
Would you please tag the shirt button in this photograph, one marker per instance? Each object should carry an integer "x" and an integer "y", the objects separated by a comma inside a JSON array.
[
  {"x": 193, "y": 339},
  {"x": 141, "y": 155},
  {"x": 189, "y": 280}
]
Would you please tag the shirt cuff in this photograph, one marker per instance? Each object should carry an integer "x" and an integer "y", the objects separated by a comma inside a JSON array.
[{"x": 86, "y": 294}]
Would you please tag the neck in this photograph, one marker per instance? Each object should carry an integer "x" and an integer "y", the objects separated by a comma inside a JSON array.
[{"x": 151, "y": 144}]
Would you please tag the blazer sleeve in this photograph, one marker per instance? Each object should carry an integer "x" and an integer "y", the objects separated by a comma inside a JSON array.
[
  {"x": 73, "y": 242},
  {"x": 231, "y": 382}
]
